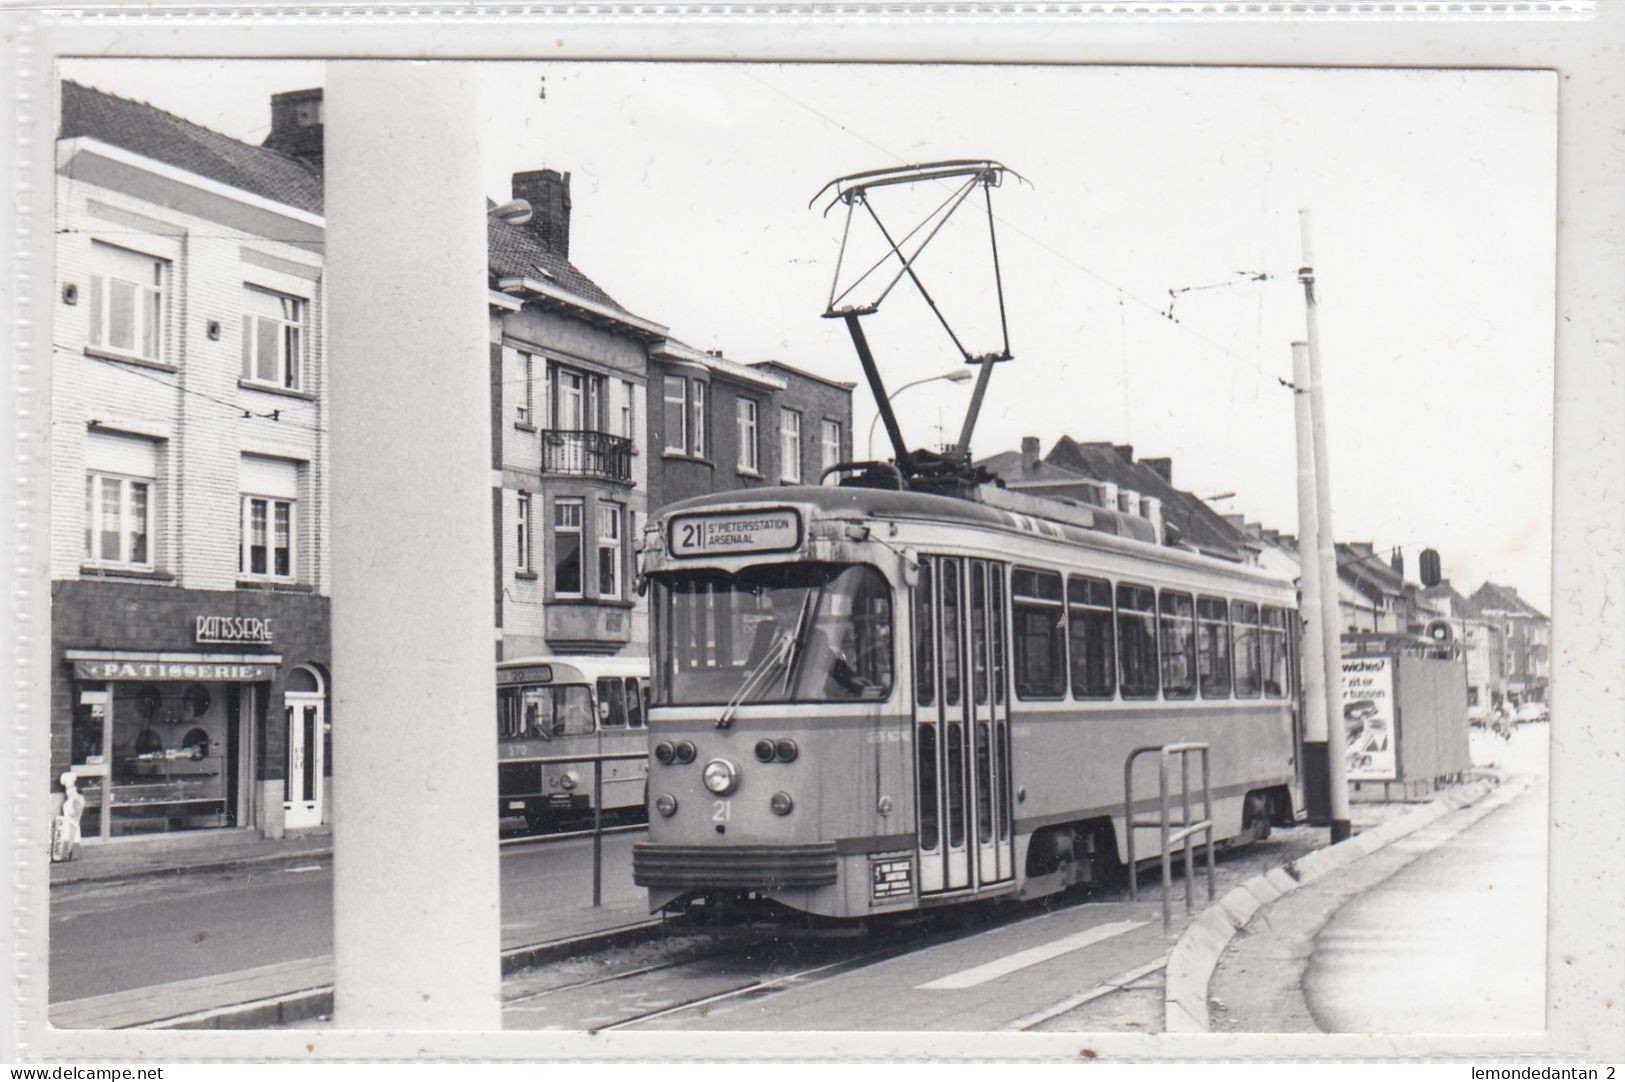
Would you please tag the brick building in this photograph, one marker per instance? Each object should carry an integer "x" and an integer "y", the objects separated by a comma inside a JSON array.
[{"x": 189, "y": 570}]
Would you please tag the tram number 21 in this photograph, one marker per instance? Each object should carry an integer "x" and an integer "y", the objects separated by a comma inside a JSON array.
[{"x": 721, "y": 811}]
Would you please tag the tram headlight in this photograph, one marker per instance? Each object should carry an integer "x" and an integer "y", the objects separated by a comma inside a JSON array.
[
  {"x": 786, "y": 750},
  {"x": 764, "y": 751},
  {"x": 781, "y": 804},
  {"x": 721, "y": 777},
  {"x": 664, "y": 752},
  {"x": 666, "y": 805},
  {"x": 684, "y": 750}
]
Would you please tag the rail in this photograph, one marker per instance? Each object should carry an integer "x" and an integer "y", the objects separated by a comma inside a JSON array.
[
  {"x": 597, "y": 759},
  {"x": 1170, "y": 838}
]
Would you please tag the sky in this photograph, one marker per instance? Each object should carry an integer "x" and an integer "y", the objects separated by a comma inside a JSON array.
[{"x": 1432, "y": 198}]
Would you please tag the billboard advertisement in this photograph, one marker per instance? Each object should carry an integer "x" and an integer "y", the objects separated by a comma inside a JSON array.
[{"x": 1368, "y": 718}]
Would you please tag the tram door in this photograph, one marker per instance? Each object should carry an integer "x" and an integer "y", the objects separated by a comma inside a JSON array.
[{"x": 961, "y": 741}]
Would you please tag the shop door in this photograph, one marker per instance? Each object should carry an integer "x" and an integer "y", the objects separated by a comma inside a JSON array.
[{"x": 305, "y": 715}]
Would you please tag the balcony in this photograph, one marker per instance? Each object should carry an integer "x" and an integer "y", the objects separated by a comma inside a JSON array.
[{"x": 586, "y": 454}]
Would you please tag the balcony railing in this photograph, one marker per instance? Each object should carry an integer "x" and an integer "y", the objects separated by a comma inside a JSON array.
[{"x": 586, "y": 454}]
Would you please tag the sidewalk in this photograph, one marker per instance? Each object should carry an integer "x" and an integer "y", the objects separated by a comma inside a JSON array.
[{"x": 125, "y": 860}]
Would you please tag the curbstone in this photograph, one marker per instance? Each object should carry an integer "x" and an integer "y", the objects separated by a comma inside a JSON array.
[
  {"x": 1240, "y": 904},
  {"x": 1219, "y": 923},
  {"x": 1177, "y": 1019},
  {"x": 1281, "y": 880},
  {"x": 1262, "y": 889},
  {"x": 1367, "y": 843}
]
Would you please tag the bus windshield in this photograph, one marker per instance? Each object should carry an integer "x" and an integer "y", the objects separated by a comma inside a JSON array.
[
  {"x": 773, "y": 634},
  {"x": 544, "y": 711}
]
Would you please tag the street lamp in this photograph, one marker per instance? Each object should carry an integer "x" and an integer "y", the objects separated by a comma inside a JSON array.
[{"x": 957, "y": 375}]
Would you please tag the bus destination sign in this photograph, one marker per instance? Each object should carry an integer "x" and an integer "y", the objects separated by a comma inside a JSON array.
[
  {"x": 529, "y": 674},
  {"x": 777, "y": 529}
]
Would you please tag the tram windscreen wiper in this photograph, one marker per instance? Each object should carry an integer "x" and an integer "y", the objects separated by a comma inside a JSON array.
[{"x": 781, "y": 652}]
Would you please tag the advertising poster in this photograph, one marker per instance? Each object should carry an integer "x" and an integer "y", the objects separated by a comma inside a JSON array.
[{"x": 1368, "y": 718}]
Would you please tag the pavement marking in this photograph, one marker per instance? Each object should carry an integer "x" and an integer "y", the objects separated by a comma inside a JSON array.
[
  {"x": 1105, "y": 988},
  {"x": 999, "y": 967},
  {"x": 304, "y": 868}
]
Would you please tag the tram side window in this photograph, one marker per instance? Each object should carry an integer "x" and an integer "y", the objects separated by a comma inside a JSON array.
[
  {"x": 1040, "y": 641},
  {"x": 1213, "y": 647},
  {"x": 1244, "y": 630},
  {"x": 997, "y": 616},
  {"x": 611, "y": 702},
  {"x": 925, "y": 670},
  {"x": 1089, "y": 627},
  {"x": 1273, "y": 662},
  {"x": 1137, "y": 641},
  {"x": 950, "y": 632},
  {"x": 978, "y": 631},
  {"x": 1178, "y": 627}
]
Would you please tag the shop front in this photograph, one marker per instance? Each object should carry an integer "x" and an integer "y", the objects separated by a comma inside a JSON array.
[{"x": 181, "y": 713}]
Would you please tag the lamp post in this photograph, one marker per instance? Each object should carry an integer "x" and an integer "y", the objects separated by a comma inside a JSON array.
[{"x": 957, "y": 375}]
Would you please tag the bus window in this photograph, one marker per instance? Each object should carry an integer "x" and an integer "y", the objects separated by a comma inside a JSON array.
[
  {"x": 1089, "y": 627},
  {"x": 572, "y": 710},
  {"x": 1213, "y": 646},
  {"x": 1137, "y": 640},
  {"x": 925, "y": 674},
  {"x": 611, "y": 702},
  {"x": 1178, "y": 624},
  {"x": 1244, "y": 631},
  {"x": 1040, "y": 642},
  {"x": 634, "y": 703},
  {"x": 1272, "y": 648}
]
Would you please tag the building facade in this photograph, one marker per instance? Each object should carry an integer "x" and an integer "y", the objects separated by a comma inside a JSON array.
[
  {"x": 1526, "y": 641},
  {"x": 189, "y": 570}
]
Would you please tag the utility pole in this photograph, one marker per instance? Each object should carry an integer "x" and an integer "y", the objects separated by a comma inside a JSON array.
[
  {"x": 1331, "y": 639},
  {"x": 1316, "y": 723}
]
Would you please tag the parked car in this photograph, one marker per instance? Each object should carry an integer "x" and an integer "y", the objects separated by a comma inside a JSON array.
[{"x": 1531, "y": 712}]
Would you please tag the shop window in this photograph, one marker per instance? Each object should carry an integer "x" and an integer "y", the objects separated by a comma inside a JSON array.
[
  {"x": 172, "y": 756},
  {"x": 567, "y": 547},
  {"x": 273, "y": 338},
  {"x": 127, "y": 301}
]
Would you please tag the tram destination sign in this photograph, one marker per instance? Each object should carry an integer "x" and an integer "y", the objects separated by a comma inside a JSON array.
[{"x": 776, "y": 529}]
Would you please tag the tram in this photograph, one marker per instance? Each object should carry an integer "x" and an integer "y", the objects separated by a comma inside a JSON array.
[
  {"x": 550, "y": 707},
  {"x": 869, "y": 701}
]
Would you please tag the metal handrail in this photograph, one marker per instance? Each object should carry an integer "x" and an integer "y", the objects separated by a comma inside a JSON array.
[
  {"x": 1170, "y": 838},
  {"x": 597, "y": 759}
]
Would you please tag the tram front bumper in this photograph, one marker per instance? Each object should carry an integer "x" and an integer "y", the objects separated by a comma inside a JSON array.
[{"x": 749, "y": 867}]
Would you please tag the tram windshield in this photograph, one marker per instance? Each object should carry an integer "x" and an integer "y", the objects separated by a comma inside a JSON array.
[{"x": 777, "y": 633}]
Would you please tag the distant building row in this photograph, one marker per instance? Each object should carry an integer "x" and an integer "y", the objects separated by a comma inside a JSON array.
[{"x": 189, "y": 558}]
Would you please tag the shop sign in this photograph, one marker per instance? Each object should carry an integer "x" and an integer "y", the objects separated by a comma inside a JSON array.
[
  {"x": 1368, "y": 718},
  {"x": 172, "y": 670},
  {"x": 233, "y": 629},
  {"x": 776, "y": 530}
]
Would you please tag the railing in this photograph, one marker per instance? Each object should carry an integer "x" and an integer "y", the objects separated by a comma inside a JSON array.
[
  {"x": 586, "y": 454},
  {"x": 597, "y": 832},
  {"x": 1170, "y": 837}
]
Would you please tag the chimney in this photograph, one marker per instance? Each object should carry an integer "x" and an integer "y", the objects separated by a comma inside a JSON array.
[
  {"x": 548, "y": 193},
  {"x": 1430, "y": 567},
  {"x": 1152, "y": 509},
  {"x": 1029, "y": 453},
  {"x": 1162, "y": 467},
  {"x": 1128, "y": 501},
  {"x": 1237, "y": 520},
  {"x": 1397, "y": 562},
  {"x": 1125, "y": 451},
  {"x": 296, "y": 125}
]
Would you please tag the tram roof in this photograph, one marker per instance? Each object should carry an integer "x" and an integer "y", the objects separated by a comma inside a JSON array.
[{"x": 1110, "y": 529}]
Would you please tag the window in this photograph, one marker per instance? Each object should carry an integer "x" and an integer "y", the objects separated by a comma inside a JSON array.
[
  {"x": 118, "y": 521},
  {"x": 554, "y": 710},
  {"x": 609, "y": 550},
  {"x": 830, "y": 438},
  {"x": 1213, "y": 647},
  {"x": 1137, "y": 641},
  {"x": 925, "y": 673},
  {"x": 676, "y": 414},
  {"x": 790, "y": 446},
  {"x": 524, "y": 411},
  {"x": 127, "y": 301},
  {"x": 746, "y": 410},
  {"x": 1089, "y": 627},
  {"x": 628, "y": 413},
  {"x": 273, "y": 330},
  {"x": 522, "y": 534},
  {"x": 567, "y": 548},
  {"x": 578, "y": 404},
  {"x": 1244, "y": 636},
  {"x": 1040, "y": 615},
  {"x": 611, "y": 703},
  {"x": 267, "y": 538},
  {"x": 948, "y": 642},
  {"x": 1272, "y": 643},
  {"x": 1178, "y": 624},
  {"x": 697, "y": 425},
  {"x": 635, "y": 692}
]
